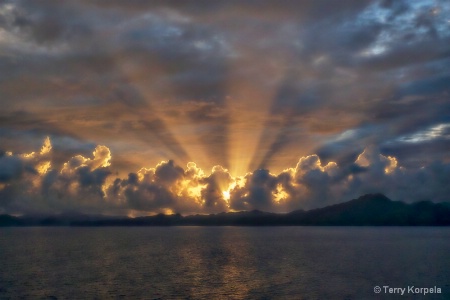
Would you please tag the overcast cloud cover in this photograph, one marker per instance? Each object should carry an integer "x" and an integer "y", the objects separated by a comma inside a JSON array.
[{"x": 139, "y": 107}]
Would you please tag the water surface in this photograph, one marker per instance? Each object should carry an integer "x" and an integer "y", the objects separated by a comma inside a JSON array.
[{"x": 221, "y": 262}]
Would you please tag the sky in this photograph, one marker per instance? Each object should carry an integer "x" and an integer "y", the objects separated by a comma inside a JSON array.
[{"x": 143, "y": 107}]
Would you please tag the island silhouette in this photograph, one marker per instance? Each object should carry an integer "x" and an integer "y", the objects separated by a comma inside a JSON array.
[{"x": 367, "y": 210}]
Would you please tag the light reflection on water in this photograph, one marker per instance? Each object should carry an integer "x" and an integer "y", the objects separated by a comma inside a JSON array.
[{"x": 220, "y": 262}]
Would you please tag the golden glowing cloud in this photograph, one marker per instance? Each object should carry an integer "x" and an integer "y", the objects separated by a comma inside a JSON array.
[{"x": 89, "y": 183}]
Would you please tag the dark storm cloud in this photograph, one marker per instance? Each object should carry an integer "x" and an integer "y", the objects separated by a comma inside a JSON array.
[
  {"x": 88, "y": 178},
  {"x": 168, "y": 173},
  {"x": 308, "y": 9},
  {"x": 216, "y": 183},
  {"x": 257, "y": 192},
  {"x": 349, "y": 44},
  {"x": 149, "y": 197},
  {"x": 11, "y": 167},
  {"x": 427, "y": 86},
  {"x": 407, "y": 153}
]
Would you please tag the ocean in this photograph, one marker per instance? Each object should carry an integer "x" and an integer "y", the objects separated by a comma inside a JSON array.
[{"x": 224, "y": 263}]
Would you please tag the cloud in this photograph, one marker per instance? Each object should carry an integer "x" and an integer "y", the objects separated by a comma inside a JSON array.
[
  {"x": 213, "y": 192},
  {"x": 256, "y": 193},
  {"x": 30, "y": 184},
  {"x": 11, "y": 167},
  {"x": 227, "y": 83}
]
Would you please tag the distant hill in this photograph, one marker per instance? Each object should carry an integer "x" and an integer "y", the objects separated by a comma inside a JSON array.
[
  {"x": 367, "y": 210},
  {"x": 377, "y": 209}
]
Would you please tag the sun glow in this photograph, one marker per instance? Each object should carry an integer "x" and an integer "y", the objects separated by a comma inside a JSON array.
[
  {"x": 226, "y": 195},
  {"x": 280, "y": 194}
]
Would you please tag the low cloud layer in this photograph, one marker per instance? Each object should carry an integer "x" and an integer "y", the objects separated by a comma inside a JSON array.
[{"x": 30, "y": 183}]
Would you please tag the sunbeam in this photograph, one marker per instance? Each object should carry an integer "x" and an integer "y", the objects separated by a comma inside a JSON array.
[
  {"x": 226, "y": 87},
  {"x": 140, "y": 104},
  {"x": 249, "y": 121}
]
